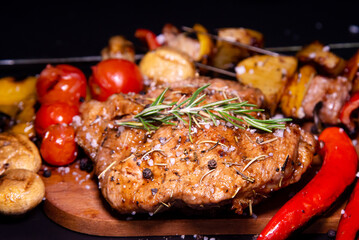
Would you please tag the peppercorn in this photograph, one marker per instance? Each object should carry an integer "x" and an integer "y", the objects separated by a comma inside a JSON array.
[
  {"x": 47, "y": 173},
  {"x": 212, "y": 164},
  {"x": 154, "y": 191},
  {"x": 147, "y": 173},
  {"x": 331, "y": 233},
  {"x": 86, "y": 165}
]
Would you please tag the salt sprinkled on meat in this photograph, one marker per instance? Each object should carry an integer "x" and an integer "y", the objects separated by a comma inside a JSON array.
[
  {"x": 278, "y": 116},
  {"x": 288, "y": 129},
  {"x": 110, "y": 125},
  {"x": 94, "y": 144},
  {"x": 172, "y": 161},
  {"x": 342, "y": 211},
  {"x": 228, "y": 124},
  {"x": 312, "y": 55},
  {"x": 87, "y": 187},
  {"x": 240, "y": 70},
  {"x": 231, "y": 149},
  {"x": 150, "y": 162},
  {"x": 270, "y": 154},
  {"x": 279, "y": 133},
  {"x": 76, "y": 120},
  {"x": 133, "y": 149},
  {"x": 207, "y": 126}
]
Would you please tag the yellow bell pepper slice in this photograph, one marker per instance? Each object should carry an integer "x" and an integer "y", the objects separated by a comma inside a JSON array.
[
  {"x": 12, "y": 92},
  {"x": 205, "y": 42}
]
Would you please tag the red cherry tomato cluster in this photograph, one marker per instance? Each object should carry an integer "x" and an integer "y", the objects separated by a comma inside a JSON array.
[{"x": 62, "y": 88}]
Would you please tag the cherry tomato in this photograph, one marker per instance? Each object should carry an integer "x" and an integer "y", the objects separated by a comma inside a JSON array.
[
  {"x": 54, "y": 113},
  {"x": 63, "y": 83},
  {"x": 58, "y": 146},
  {"x": 114, "y": 76}
]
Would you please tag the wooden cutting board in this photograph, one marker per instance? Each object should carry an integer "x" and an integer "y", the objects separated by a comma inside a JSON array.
[{"x": 73, "y": 200}]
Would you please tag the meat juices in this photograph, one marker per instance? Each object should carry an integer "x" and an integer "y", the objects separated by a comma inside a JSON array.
[{"x": 144, "y": 172}]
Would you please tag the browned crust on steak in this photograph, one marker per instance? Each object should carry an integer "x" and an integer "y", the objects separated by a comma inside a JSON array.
[{"x": 180, "y": 169}]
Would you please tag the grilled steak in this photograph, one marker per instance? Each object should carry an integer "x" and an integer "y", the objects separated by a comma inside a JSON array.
[
  {"x": 331, "y": 92},
  {"x": 223, "y": 164}
]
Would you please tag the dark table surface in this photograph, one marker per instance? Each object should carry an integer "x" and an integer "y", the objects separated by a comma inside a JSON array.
[{"x": 81, "y": 28}]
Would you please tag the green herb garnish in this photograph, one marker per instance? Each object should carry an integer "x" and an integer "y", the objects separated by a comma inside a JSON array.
[{"x": 236, "y": 113}]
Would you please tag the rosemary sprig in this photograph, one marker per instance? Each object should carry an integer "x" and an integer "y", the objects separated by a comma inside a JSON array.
[{"x": 228, "y": 110}]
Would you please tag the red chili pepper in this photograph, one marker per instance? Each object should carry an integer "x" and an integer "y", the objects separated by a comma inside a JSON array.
[
  {"x": 347, "y": 110},
  {"x": 338, "y": 171},
  {"x": 149, "y": 37},
  {"x": 349, "y": 222}
]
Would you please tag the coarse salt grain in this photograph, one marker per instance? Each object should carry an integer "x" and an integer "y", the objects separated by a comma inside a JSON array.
[
  {"x": 279, "y": 133},
  {"x": 87, "y": 187},
  {"x": 312, "y": 55},
  {"x": 240, "y": 70},
  {"x": 207, "y": 126},
  {"x": 172, "y": 161},
  {"x": 342, "y": 211},
  {"x": 150, "y": 162}
]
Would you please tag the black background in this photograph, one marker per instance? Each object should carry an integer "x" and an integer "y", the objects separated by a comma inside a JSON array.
[{"x": 81, "y": 28}]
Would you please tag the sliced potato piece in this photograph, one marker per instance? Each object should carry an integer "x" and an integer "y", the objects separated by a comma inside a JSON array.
[
  {"x": 17, "y": 151},
  {"x": 20, "y": 191},
  {"x": 166, "y": 64},
  {"x": 319, "y": 54},
  {"x": 269, "y": 74},
  {"x": 291, "y": 101}
]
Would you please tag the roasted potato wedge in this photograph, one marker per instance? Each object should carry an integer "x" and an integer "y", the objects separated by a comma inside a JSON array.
[
  {"x": 227, "y": 55},
  {"x": 166, "y": 64},
  {"x": 20, "y": 191},
  {"x": 291, "y": 101},
  {"x": 320, "y": 55},
  {"x": 269, "y": 74},
  {"x": 17, "y": 151}
]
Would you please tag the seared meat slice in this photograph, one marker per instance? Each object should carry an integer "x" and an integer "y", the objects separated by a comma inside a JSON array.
[
  {"x": 331, "y": 92},
  {"x": 144, "y": 172},
  {"x": 181, "y": 41}
]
